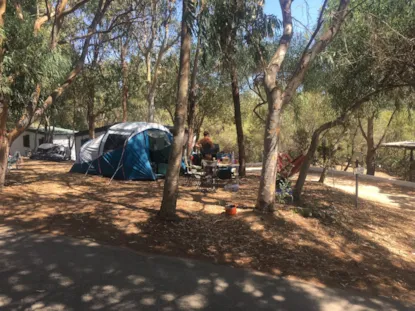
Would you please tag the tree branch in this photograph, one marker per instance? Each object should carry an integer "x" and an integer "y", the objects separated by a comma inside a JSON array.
[
  {"x": 310, "y": 53},
  {"x": 362, "y": 129},
  {"x": 257, "y": 114}
]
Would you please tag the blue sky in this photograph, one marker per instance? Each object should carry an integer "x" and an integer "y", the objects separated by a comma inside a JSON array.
[{"x": 306, "y": 11}]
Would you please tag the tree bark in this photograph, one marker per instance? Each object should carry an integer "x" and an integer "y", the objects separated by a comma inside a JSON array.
[
  {"x": 238, "y": 118},
  {"x": 324, "y": 173},
  {"x": 266, "y": 192},
  {"x": 277, "y": 101},
  {"x": 306, "y": 165},
  {"x": 151, "y": 106},
  {"x": 4, "y": 141},
  {"x": 91, "y": 122},
  {"x": 371, "y": 151},
  {"x": 124, "y": 68},
  {"x": 171, "y": 184},
  {"x": 193, "y": 100},
  {"x": 4, "y": 155}
]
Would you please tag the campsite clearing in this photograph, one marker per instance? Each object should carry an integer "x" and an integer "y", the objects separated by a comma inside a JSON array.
[{"x": 370, "y": 248}]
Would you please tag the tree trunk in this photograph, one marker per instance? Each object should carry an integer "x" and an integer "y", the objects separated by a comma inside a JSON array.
[
  {"x": 328, "y": 163},
  {"x": 371, "y": 150},
  {"x": 4, "y": 155},
  {"x": 192, "y": 100},
  {"x": 4, "y": 140},
  {"x": 306, "y": 166},
  {"x": 371, "y": 162},
  {"x": 324, "y": 174},
  {"x": 266, "y": 193},
  {"x": 124, "y": 68},
  {"x": 238, "y": 119},
  {"x": 91, "y": 124},
  {"x": 151, "y": 106},
  {"x": 171, "y": 184}
]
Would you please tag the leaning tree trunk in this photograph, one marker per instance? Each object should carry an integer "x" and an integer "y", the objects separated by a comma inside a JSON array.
[
  {"x": 171, "y": 184},
  {"x": 238, "y": 119},
  {"x": 299, "y": 185}
]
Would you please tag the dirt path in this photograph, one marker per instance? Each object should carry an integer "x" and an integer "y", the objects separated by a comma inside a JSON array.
[
  {"x": 380, "y": 192},
  {"x": 369, "y": 248}
]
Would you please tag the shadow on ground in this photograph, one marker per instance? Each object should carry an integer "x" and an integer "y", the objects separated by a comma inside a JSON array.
[
  {"x": 43, "y": 272},
  {"x": 367, "y": 249}
]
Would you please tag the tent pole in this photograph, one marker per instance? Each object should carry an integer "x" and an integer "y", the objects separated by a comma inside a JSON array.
[{"x": 119, "y": 163}]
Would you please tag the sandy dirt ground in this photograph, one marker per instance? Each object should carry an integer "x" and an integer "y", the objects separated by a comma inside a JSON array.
[{"x": 371, "y": 248}]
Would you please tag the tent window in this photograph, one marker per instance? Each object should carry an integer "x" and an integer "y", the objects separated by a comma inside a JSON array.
[
  {"x": 26, "y": 141},
  {"x": 158, "y": 140},
  {"x": 114, "y": 141}
]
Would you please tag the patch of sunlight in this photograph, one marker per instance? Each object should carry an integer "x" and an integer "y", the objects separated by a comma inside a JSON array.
[
  {"x": 136, "y": 279},
  {"x": 62, "y": 280},
  {"x": 371, "y": 193},
  {"x": 204, "y": 281},
  {"x": 90, "y": 243},
  {"x": 106, "y": 294},
  {"x": 195, "y": 301},
  {"x": 132, "y": 229},
  {"x": 278, "y": 298},
  {"x": 40, "y": 306},
  {"x": 257, "y": 293},
  {"x": 247, "y": 287},
  {"x": 220, "y": 285},
  {"x": 6, "y": 252},
  {"x": 20, "y": 288},
  {"x": 311, "y": 290},
  {"x": 257, "y": 226},
  {"x": 168, "y": 297},
  {"x": 148, "y": 301},
  {"x": 24, "y": 272},
  {"x": 4, "y": 300},
  {"x": 51, "y": 267}
]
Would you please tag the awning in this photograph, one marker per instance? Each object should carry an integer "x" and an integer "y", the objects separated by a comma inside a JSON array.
[{"x": 401, "y": 144}]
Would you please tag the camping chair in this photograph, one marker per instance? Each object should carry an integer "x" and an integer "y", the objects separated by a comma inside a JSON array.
[
  {"x": 192, "y": 173},
  {"x": 16, "y": 159},
  {"x": 210, "y": 171}
]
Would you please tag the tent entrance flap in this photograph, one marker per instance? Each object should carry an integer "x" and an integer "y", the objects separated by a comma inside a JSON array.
[{"x": 159, "y": 145}]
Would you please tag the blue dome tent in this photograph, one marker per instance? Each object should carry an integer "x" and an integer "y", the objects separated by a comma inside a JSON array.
[{"x": 127, "y": 151}]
